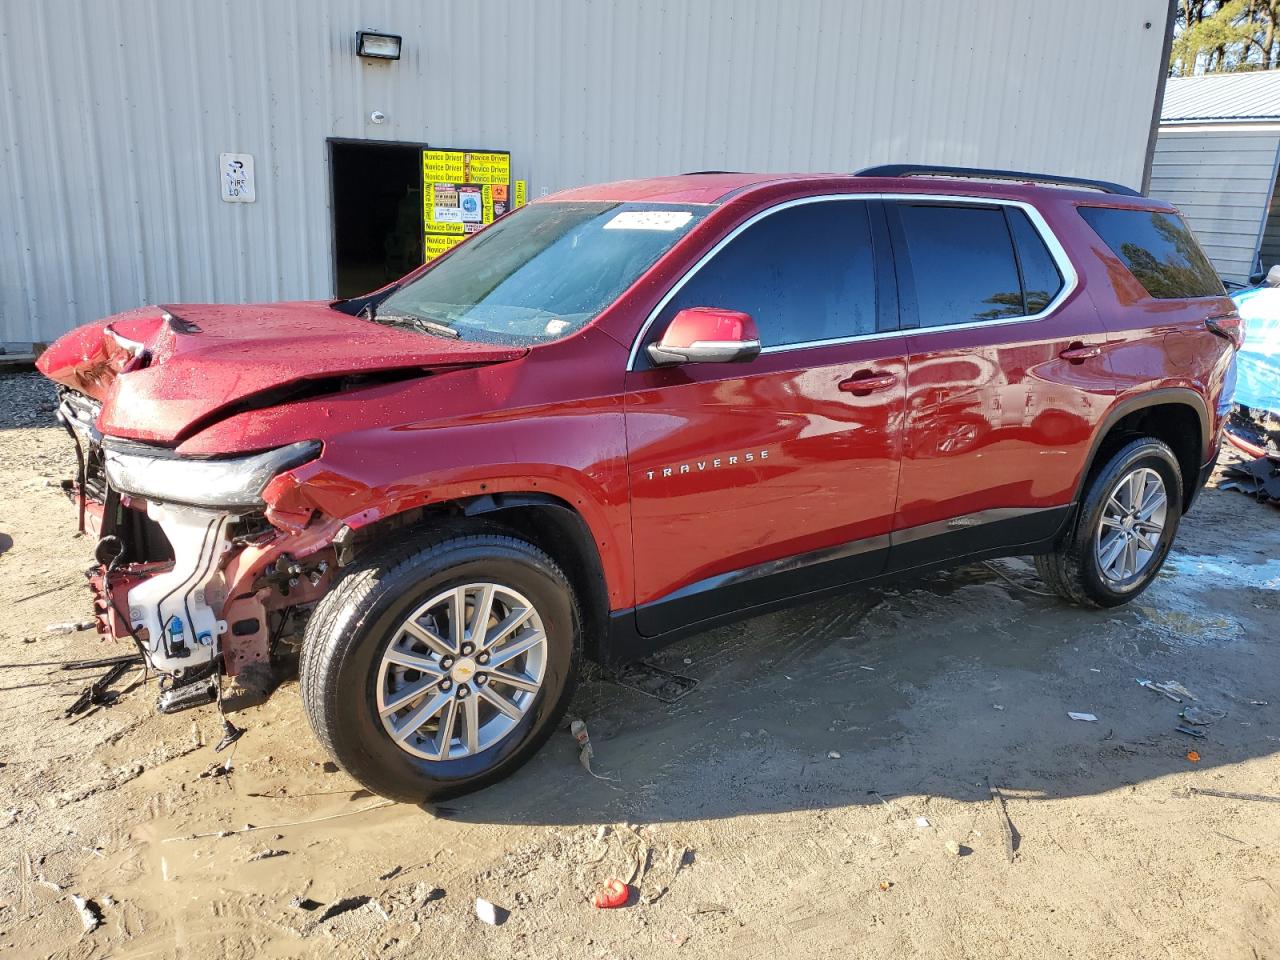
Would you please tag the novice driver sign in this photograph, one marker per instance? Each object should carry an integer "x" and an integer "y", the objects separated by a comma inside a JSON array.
[{"x": 462, "y": 191}]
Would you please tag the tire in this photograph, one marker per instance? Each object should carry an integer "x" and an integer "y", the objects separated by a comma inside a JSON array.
[
  {"x": 1075, "y": 570},
  {"x": 344, "y": 672}
]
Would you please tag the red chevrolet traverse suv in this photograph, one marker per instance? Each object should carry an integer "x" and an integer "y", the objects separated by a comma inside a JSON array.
[{"x": 628, "y": 412}]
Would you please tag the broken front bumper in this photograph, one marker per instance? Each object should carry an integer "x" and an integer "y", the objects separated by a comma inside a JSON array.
[{"x": 189, "y": 566}]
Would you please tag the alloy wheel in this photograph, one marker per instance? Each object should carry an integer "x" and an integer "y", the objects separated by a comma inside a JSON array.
[
  {"x": 1132, "y": 522},
  {"x": 461, "y": 671}
]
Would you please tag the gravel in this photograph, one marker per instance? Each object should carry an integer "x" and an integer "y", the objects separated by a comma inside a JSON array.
[{"x": 27, "y": 399}]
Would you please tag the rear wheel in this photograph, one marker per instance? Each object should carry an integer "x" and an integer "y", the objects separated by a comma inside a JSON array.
[
  {"x": 435, "y": 669},
  {"x": 1127, "y": 522}
]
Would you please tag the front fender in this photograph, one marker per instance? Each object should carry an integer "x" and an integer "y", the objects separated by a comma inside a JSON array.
[{"x": 365, "y": 479}]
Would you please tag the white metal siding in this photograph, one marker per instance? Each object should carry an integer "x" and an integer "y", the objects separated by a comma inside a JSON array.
[
  {"x": 113, "y": 113},
  {"x": 1270, "y": 249},
  {"x": 1222, "y": 182}
]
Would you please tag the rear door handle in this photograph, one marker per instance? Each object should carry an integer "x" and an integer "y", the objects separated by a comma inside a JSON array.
[
  {"x": 866, "y": 381},
  {"x": 1079, "y": 352}
]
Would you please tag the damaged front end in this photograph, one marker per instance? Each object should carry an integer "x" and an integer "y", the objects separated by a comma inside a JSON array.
[
  {"x": 190, "y": 565},
  {"x": 210, "y": 542}
]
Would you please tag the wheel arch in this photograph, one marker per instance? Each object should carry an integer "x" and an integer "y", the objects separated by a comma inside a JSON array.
[
  {"x": 1176, "y": 415},
  {"x": 545, "y": 520},
  {"x": 563, "y": 532}
]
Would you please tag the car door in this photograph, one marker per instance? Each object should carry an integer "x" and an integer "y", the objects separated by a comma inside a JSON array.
[
  {"x": 755, "y": 481},
  {"x": 1006, "y": 376}
]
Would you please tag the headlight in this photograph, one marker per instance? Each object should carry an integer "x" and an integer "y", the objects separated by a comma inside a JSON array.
[{"x": 224, "y": 482}]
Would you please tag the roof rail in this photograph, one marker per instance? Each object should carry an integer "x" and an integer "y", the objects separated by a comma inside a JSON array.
[{"x": 931, "y": 170}]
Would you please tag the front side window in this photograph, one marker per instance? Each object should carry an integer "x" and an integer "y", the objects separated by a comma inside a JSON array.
[
  {"x": 962, "y": 262},
  {"x": 1158, "y": 249},
  {"x": 541, "y": 272},
  {"x": 804, "y": 273}
]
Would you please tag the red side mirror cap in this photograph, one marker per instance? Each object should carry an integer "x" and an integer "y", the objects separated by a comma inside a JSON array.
[{"x": 707, "y": 335}]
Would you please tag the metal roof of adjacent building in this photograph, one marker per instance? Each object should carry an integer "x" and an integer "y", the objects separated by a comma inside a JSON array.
[{"x": 1223, "y": 98}]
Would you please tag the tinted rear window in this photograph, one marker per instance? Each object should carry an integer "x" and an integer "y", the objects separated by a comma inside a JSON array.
[
  {"x": 1158, "y": 249},
  {"x": 1041, "y": 279},
  {"x": 963, "y": 262}
]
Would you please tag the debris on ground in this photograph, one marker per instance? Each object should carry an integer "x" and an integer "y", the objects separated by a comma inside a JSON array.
[
  {"x": 833, "y": 754},
  {"x": 610, "y": 894},
  {"x": 654, "y": 681},
  {"x": 1232, "y": 795},
  {"x": 1087, "y": 717},
  {"x": 675, "y": 858},
  {"x": 586, "y": 752},
  {"x": 922, "y": 822},
  {"x": 952, "y": 847},
  {"x": 71, "y": 626},
  {"x": 1201, "y": 716},
  {"x": 1002, "y": 815},
  {"x": 490, "y": 913},
  {"x": 129, "y": 658},
  {"x": 280, "y": 826},
  {"x": 345, "y": 905},
  {"x": 230, "y": 734},
  {"x": 1259, "y": 478},
  {"x": 1170, "y": 688},
  {"x": 1190, "y": 731},
  {"x": 98, "y": 692},
  {"x": 267, "y": 854},
  {"x": 89, "y": 913}
]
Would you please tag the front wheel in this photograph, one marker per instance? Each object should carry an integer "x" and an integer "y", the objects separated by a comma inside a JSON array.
[
  {"x": 436, "y": 668},
  {"x": 1126, "y": 524}
]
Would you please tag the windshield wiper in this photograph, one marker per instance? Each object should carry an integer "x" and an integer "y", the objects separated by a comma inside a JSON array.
[{"x": 370, "y": 312}]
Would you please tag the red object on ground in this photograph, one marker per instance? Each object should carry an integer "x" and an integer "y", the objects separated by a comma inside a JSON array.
[{"x": 612, "y": 893}]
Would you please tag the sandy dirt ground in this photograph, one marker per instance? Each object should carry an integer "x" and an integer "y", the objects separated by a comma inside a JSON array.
[{"x": 804, "y": 800}]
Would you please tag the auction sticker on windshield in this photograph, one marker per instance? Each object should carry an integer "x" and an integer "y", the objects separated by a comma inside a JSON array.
[{"x": 649, "y": 220}]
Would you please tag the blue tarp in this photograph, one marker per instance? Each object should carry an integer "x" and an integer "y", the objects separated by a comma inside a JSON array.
[{"x": 1258, "y": 362}]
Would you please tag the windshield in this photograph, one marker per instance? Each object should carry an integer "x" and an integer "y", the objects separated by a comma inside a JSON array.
[{"x": 541, "y": 272}]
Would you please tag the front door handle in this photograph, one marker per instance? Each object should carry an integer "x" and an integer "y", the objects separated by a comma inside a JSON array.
[
  {"x": 867, "y": 381},
  {"x": 1079, "y": 352}
]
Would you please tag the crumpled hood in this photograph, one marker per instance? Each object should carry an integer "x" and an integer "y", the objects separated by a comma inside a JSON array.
[{"x": 162, "y": 372}]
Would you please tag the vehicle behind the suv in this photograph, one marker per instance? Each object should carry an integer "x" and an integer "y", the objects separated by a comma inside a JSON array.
[{"x": 629, "y": 412}]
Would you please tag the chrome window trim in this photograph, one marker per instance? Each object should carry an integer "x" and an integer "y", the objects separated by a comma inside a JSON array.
[{"x": 1070, "y": 278}]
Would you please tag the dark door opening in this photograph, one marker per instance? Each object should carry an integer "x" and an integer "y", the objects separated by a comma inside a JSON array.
[{"x": 377, "y": 214}]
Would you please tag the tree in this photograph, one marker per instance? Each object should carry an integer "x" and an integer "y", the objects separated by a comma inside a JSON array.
[{"x": 1223, "y": 36}]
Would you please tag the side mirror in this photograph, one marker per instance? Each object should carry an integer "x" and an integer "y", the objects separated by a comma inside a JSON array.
[{"x": 707, "y": 335}]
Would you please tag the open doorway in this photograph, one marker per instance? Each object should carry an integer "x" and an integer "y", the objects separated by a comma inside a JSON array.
[{"x": 377, "y": 213}]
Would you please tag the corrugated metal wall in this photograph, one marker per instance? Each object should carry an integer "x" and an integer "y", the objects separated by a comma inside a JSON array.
[
  {"x": 1222, "y": 181},
  {"x": 113, "y": 113}
]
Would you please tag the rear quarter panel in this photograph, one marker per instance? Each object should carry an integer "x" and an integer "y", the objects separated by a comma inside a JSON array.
[{"x": 1152, "y": 343}]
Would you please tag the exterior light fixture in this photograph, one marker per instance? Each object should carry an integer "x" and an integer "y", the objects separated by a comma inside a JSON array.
[{"x": 378, "y": 46}]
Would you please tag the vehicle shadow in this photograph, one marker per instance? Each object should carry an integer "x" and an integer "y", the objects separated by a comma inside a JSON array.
[{"x": 943, "y": 686}]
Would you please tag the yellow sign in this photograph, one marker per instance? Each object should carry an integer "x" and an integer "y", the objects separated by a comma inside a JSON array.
[
  {"x": 462, "y": 192},
  {"x": 522, "y": 191},
  {"x": 440, "y": 244}
]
